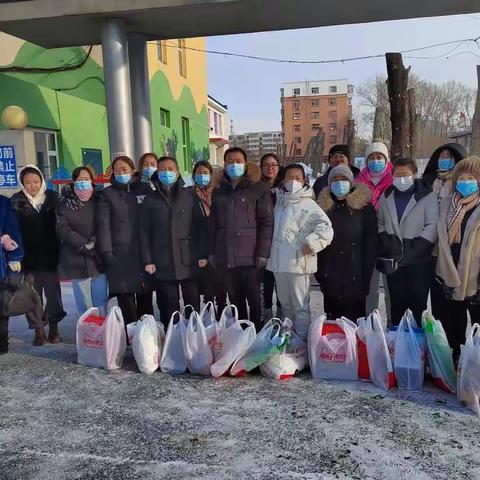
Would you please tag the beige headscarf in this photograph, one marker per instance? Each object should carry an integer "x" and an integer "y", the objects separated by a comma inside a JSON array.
[{"x": 38, "y": 200}]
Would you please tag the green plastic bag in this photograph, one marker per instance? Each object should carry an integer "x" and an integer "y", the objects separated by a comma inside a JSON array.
[{"x": 439, "y": 354}]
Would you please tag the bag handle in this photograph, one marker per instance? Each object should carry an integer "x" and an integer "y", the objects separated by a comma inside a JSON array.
[{"x": 473, "y": 332}]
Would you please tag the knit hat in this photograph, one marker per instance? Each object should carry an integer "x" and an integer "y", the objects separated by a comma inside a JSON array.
[
  {"x": 377, "y": 147},
  {"x": 341, "y": 170},
  {"x": 340, "y": 148},
  {"x": 469, "y": 165}
]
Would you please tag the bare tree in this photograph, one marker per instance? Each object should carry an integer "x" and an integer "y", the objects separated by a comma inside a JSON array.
[{"x": 475, "y": 145}]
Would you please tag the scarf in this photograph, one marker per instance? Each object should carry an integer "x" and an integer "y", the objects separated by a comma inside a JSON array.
[
  {"x": 83, "y": 195},
  {"x": 70, "y": 200},
  {"x": 205, "y": 196},
  {"x": 39, "y": 199},
  {"x": 458, "y": 208}
]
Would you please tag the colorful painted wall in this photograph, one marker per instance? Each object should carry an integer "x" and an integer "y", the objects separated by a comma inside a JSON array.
[{"x": 72, "y": 103}]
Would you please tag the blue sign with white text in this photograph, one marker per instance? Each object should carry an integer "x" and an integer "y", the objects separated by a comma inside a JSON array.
[{"x": 8, "y": 167}]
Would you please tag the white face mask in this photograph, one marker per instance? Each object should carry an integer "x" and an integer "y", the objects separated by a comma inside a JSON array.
[
  {"x": 402, "y": 183},
  {"x": 293, "y": 186}
]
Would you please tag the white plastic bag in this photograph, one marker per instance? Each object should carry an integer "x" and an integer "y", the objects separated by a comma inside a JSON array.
[
  {"x": 379, "y": 361},
  {"x": 131, "y": 327},
  {"x": 409, "y": 357},
  {"x": 285, "y": 365},
  {"x": 468, "y": 374},
  {"x": 173, "y": 355},
  {"x": 198, "y": 354},
  {"x": 332, "y": 349},
  {"x": 147, "y": 344},
  {"x": 101, "y": 342},
  {"x": 270, "y": 341},
  {"x": 210, "y": 321},
  {"x": 234, "y": 337}
]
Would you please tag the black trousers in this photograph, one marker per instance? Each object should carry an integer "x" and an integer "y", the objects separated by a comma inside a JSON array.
[
  {"x": 352, "y": 308},
  {"x": 3, "y": 326},
  {"x": 453, "y": 315},
  {"x": 211, "y": 284},
  {"x": 408, "y": 288},
  {"x": 243, "y": 285},
  {"x": 133, "y": 306},
  {"x": 168, "y": 297},
  {"x": 268, "y": 288}
]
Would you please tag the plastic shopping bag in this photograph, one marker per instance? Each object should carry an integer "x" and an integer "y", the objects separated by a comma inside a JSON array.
[
  {"x": 234, "y": 337},
  {"x": 210, "y": 321},
  {"x": 131, "y": 328},
  {"x": 378, "y": 356},
  {"x": 332, "y": 349},
  {"x": 468, "y": 374},
  {"x": 198, "y": 354},
  {"x": 173, "y": 355},
  {"x": 363, "y": 367},
  {"x": 285, "y": 365},
  {"x": 147, "y": 344},
  {"x": 409, "y": 359},
  {"x": 270, "y": 341},
  {"x": 439, "y": 354},
  {"x": 101, "y": 341}
]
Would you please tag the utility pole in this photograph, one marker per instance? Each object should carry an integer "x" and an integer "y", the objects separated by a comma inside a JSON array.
[{"x": 475, "y": 143}]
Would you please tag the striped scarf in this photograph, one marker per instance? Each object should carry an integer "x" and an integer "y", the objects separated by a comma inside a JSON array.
[{"x": 458, "y": 208}]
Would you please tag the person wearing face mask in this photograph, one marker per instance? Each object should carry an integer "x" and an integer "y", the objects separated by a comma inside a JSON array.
[
  {"x": 407, "y": 226},
  {"x": 211, "y": 282},
  {"x": 79, "y": 260},
  {"x": 338, "y": 155},
  {"x": 35, "y": 207},
  {"x": 172, "y": 239},
  {"x": 458, "y": 267},
  {"x": 345, "y": 267},
  {"x": 142, "y": 179},
  {"x": 301, "y": 230},
  {"x": 240, "y": 232},
  {"x": 118, "y": 241}
]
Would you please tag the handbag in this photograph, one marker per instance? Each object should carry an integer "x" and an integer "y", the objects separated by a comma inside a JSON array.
[
  {"x": 18, "y": 297},
  {"x": 386, "y": 266}
]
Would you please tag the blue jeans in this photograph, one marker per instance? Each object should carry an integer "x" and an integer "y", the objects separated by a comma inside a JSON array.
[{"x": 91, "y": 292}]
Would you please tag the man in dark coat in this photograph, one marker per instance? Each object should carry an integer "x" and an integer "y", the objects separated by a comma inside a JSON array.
[
  {"x": 338, "y": 155},
  {"x": 172, "y": 239},
  {"x": 241, "y": 231}
]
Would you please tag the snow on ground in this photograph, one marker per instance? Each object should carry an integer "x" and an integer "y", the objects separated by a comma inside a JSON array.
[{"x": 60, "y": 420}]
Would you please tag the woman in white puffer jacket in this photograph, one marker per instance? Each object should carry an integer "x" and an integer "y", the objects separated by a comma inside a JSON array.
[{"x": 302, "y": 229}]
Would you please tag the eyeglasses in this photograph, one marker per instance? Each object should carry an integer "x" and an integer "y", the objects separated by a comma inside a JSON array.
[{"x": 270, "y": 165}]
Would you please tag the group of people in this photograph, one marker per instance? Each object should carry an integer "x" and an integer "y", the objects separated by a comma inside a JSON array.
[{"x": 245, "y": 227}]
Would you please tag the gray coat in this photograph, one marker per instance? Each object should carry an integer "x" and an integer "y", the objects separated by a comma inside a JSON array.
[{"x": 411, "y": 240}]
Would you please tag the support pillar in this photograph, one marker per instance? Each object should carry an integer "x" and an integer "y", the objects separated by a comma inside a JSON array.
[
  {"x": 117, "y": 88},
  {"x": 140, "y": 84}
]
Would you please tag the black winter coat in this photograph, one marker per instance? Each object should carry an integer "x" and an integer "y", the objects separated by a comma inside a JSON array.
[
  {"x": 75, "y": 228},
  {"x": 322, "y": 182},
  {"x": 241, "y": 222},
  {"x": 345, "y": 267},
  {"x": 118, "y": 238},
  {"x": 172, "y": 231},
  {"x": 430, "y": 173},
  {"x": 39, "y": 236}
]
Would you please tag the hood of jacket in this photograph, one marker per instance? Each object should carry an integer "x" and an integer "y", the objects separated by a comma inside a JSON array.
[
  {"x": 39, "y": 198},
  {"x": 458, "y": 151},
  {"x": 359, "y": 197},
  {"x": 289, "y": 198}
]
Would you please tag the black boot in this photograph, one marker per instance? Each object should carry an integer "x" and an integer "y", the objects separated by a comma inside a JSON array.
[{"x": 3, "y": 344}]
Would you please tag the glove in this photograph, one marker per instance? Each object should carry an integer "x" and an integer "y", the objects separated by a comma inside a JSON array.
[
  {"x": 8, "y": 244},
  {"x": 15, "y": 266},
  {"x": 89, "y": 246},
  {"x": 109, "y": 259},
  {"x": 261, "y": 262}
]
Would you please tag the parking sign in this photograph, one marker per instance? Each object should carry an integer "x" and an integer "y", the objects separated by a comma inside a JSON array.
[{"x": 8, "y": 167}]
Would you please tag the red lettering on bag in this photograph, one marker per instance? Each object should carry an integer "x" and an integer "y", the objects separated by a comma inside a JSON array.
[
  {"x": 93, "y": 342},
  {"x": 334, "y": 357}
]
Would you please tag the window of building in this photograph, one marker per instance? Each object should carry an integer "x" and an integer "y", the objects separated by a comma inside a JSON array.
[
  {"x": 332, "y": 114},
  {"x": 314, "y": 114},
  {"x": 332, "y": 102},
  {"x": 182, "y": 58},
  {"x": 164, "y": 118},
  {"x": 296, "y": 104},
  {"x": 162, "y": 51},
  {"x": 186, "y": 143},
  {"x": 333, "y": 126},
  {"x": 315, "y": 127},
  {"x": 297, "y": 128},
  {"x": 332, "y": 89},
  {"x": 333, "y": 138},
  {"x": 315, "y": 103},
  {"x": 298, "y": 151},
  {"x": 216, "y": 122},
  {"x": 298, "y": 139},
  {"x": 296, "y": 91},
  {"x": 296, "y": 116},
  {"x": 315, "y": 90}
]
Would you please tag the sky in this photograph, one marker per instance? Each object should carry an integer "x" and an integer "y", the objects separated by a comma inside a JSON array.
[{"x": 251, "y": 89}]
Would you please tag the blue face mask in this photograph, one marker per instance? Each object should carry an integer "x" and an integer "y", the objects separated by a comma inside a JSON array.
[
  {"x": 167, "y": 177},
  {"x": 340, "y": 188},
  {"x": 148, "y": 172},
  {"x": 83, "y": 185},
  {"x": 235, "y": 170},
  {"x": 202, "y": 179},
  {"x": 376, "y": 166},
  {"x": 467, "y": 187},
  {"x": 446, "y": 164},
  {"x": 123, "y": 178}
]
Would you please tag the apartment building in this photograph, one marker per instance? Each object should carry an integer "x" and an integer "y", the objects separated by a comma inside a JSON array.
[
  {"x": 218, "y": 135},
  {"x": 257, "y": 144}
]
